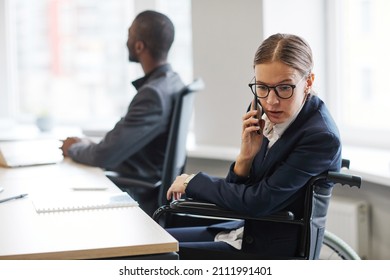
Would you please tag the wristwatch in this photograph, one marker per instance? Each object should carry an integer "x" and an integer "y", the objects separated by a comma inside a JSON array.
[{"x": 187, "y": 180}]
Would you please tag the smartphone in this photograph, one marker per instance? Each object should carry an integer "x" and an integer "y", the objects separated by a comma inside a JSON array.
[{"x": 257, "y": 106}]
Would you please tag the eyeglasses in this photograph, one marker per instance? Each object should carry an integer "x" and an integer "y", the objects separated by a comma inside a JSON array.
[{"x": 283, "y": 91}]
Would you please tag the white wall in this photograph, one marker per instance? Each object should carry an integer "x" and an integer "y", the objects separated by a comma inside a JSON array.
[{"x": 226, "y": 35}]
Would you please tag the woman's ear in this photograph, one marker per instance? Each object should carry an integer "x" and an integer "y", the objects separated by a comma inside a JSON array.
[{"x": 309, "y": 81}]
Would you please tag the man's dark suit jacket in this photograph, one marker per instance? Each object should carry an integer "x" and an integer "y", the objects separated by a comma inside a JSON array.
[
  {"x": 136, "y": 145},
  {"x": 309, "y": 146}
]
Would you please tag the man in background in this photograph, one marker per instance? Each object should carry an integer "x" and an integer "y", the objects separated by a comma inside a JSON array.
[{"x": 137, "y": 143}]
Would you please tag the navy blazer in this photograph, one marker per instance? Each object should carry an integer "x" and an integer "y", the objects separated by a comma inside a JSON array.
[
  {"x": 308, "y": 147},
  {"x": 136, "y": 145}
]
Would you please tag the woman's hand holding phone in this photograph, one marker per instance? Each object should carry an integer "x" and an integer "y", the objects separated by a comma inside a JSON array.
[
  {"x": 251, "y": 139},
  {"x": 257, "y": 106}
]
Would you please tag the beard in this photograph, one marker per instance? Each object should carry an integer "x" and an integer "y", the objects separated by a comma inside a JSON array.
[{"x": 132, "y": 56}]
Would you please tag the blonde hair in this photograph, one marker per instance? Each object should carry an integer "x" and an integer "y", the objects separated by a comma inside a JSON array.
[{"x": 289, "y": 49}]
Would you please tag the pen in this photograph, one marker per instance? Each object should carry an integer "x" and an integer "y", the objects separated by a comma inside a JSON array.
[{"x": 13, "y": 197}]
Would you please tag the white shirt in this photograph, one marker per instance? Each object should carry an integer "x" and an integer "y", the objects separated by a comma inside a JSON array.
[{"x": 274, "y": 131}]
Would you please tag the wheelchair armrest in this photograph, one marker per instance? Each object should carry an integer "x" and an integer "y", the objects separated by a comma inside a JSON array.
[
  {"x": 192, "y": 207},
  {"x": 128, "y": 182},
  {"x": 345, "y": 179}
]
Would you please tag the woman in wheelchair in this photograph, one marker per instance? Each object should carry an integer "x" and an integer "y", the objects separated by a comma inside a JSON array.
[{"x": 288, "y": 136}]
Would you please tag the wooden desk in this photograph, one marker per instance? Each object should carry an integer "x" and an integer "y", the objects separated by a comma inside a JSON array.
[{"x": 87, "y": 234}]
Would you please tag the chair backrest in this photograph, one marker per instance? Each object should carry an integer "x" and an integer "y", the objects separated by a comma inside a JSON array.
[
  {"x": 151, "y": 194},
  {"x": 175, "y": 156}
]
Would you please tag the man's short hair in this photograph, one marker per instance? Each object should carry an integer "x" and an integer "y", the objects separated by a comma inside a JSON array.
[{"x": 157, "y": 32}]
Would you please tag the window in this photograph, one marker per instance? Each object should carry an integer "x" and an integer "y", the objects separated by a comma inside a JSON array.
[
  {"x": 360, "y": 42},
  {"x": 69, "y": 57}
]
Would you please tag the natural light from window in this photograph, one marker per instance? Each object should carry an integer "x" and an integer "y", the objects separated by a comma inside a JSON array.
[
  {"x": 70, "y": 61},
  {"x": 363, "y": 42}
]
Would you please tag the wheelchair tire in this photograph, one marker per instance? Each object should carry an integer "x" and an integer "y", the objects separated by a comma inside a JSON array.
[{"x": 333, "y": 247}]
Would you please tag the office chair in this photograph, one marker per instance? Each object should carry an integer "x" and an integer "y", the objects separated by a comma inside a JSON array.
[
  {"x": 151, "y": 194},
  {"x": 311, "y": 222}
]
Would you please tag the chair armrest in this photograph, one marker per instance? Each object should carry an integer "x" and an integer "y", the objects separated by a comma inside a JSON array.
[
  {"x": 129, "y": 182},
  {"x": 192, "y": 207}
]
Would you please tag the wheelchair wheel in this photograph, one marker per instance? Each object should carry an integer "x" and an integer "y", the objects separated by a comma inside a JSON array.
[{"x": 334, "y": 248}]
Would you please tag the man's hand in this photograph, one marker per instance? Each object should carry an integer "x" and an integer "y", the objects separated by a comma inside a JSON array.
[{"x": 67, "y": 143}]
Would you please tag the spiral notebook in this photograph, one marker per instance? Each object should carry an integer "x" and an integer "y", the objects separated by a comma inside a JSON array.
[{"x": 79, "y": 201}]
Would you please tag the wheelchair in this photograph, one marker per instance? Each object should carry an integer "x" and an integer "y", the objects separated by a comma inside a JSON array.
[{"x": 310, "y": 244}]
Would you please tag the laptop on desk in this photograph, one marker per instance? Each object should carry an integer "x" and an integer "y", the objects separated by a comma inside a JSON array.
[{"x": 30, "y": 152}]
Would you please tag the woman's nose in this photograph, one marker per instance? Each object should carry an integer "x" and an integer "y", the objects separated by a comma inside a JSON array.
[{"x": 272, "y": 98}]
